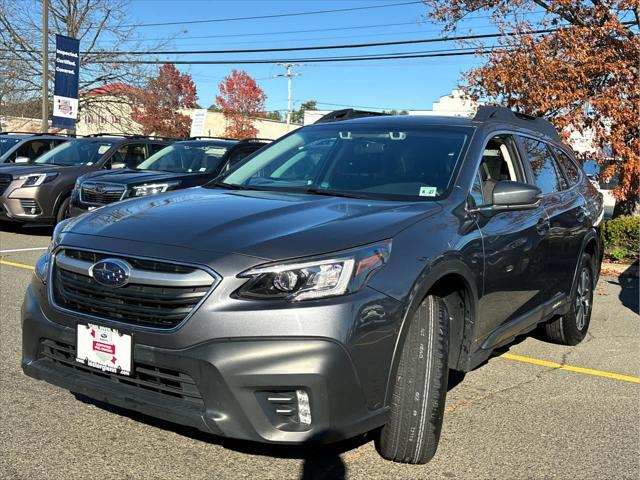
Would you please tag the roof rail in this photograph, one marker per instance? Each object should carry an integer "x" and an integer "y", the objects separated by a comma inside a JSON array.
[
  {"x": 347, "y": 114},
  {"x": 34, "y": 134},
  {"x": 124, "y": 135},
  {"x": 205, "y": 137},
  {"x": 504, "y": 114}
]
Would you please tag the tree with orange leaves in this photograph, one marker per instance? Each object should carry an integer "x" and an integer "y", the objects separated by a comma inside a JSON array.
[
  {"x": 158, "y": 104},
  {"x": 583, "y": 74},
  {"x": 240, "y": 100}
]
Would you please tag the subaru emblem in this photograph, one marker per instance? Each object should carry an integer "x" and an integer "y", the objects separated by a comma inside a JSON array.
[{"x": 111, "y": 272}]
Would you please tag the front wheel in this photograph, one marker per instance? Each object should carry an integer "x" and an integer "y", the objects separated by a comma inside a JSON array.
[
  {"x": 412, "y": 433},
  {"x": 571, "y": 328},
  {"x": 63, "y": 210}
]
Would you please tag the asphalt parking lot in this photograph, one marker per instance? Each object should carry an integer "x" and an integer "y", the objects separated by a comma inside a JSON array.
[{"x": 538, "y": 410}]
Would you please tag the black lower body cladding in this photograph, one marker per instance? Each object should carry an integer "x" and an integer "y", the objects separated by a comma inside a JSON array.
[{"x": 243, "y": 388}]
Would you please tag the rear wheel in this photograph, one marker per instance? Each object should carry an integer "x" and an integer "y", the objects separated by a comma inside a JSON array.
[
  {"x": 63, "y": 210},
  {"x": 571, "y": 328},
  {"x": 412, "y": 433}
]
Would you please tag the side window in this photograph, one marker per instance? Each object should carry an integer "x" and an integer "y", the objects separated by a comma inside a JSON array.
[
  {"x": 155, "y": 147},
  {"x": 131, "y": 155},
  {"x": 31, "y": 150},
  {"x": 570, "y": 168},
  {"x": 499, "y": 162},
  {"x": 546, "y": 175},
  {"x": 239, "y": 155}
]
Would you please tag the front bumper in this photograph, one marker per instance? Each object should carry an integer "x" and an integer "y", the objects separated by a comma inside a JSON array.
[
  {"x": 231, "y": 377},
  {"x": 25, "y": 204}
]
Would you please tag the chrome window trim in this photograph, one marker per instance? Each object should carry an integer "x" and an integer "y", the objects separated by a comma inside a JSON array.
[
  {"x": 217, "y": 279},
  {"x": 95, "y": 182}
]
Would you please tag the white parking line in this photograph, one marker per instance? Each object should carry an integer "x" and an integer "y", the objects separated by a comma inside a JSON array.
[{"x": 22, "y": 250}]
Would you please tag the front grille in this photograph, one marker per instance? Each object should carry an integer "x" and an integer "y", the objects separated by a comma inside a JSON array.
[
  {"x": 152, "y": 378},
  {"x": 5, "y": 181},
  {"x": 157, "y": 300},
  {"x": 101, "y": 193},
  {"x": 30, "y": 207},
  {"x": 140, "y": 263}
]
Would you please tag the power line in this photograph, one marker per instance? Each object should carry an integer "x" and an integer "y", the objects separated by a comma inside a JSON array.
[
  {"x": 319, "y": 47},
  {"x": 395, "y": 56},
  {"x": 313, "y": 30},
  {"x": 278, "y": 15}
]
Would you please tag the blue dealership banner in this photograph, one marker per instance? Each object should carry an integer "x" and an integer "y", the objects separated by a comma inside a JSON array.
[{"x": 65, "y": 90}]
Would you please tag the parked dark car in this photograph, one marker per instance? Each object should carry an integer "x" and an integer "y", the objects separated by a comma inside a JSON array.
[
  {"x": 324, "y": 287},
  {"x": 26, "y": 147},
  {"x": 41, "y": 190},
  {"x": 184, "y": 164}
]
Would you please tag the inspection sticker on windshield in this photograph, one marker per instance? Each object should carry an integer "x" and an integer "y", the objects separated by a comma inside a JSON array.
[
  {"x": 428, "y": 191},
  {"x": 104, "y": 348}
]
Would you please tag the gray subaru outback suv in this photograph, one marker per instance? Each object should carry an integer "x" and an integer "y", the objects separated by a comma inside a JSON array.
[{"x": 324, "y": 287}]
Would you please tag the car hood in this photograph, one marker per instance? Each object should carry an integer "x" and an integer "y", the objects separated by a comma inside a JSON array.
[
  {"x": 18, "y": 170},
  {"x": 134, "y": 177},
  {"x": 268, "y": 225}
]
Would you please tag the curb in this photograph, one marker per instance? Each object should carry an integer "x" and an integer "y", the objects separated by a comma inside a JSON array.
[{"x": 620, "y": 269}]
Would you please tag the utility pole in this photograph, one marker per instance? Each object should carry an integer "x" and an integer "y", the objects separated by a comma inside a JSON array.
[
  {"x": 289, "y": 75},
  {"x": 45, "y": 66}
]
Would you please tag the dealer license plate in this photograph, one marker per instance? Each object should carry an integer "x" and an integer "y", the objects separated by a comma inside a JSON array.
[{"x": 104, "y": 348}]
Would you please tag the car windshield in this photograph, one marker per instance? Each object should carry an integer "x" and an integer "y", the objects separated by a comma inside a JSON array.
[
  {"x": 6, "y": 143},
  {"x": 76, "y": 153},
  {"x": 358, "y": 160},
  {"x": 187, "y": 157}
]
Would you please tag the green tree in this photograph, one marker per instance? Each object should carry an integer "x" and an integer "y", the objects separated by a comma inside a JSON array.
[{"x": 298, "y": 115}]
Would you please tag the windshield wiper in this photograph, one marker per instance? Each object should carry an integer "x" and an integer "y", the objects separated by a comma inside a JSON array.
[
  {"x": 234, "y": 186},
  {"x": 332, "y": 193}
]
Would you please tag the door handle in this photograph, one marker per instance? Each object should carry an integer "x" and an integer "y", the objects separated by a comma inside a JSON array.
[{"x": 542, "y": 226}]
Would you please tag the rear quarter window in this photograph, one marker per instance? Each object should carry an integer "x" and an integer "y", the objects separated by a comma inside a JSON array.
[{"x": 570, "y": 168}]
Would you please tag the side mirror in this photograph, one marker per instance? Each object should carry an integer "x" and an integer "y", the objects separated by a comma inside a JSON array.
[
  {"x": 515, "y": 195},
  {"x": 508, "y": 195},
  {"x": 22, "y": 159}
]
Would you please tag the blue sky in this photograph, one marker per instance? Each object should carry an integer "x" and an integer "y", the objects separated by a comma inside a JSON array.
[{"x": 400, "y": 84}]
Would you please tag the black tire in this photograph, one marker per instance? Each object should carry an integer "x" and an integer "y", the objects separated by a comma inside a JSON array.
[
  {"x": 63, "y": 210},
  {"x": 571, "y": 328},
  {"x": 412, "y": 433}
]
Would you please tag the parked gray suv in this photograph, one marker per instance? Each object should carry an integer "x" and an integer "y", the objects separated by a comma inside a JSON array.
[
  {"x": 40, "y": 191},
  {"x": 324, "y": 287}
]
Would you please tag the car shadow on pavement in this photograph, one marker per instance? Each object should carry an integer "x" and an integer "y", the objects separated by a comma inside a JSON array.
[
  {"x": 629, "y": 285},
  {"x": 321, "y": 461},
  {"x": 38, "y": 230}
]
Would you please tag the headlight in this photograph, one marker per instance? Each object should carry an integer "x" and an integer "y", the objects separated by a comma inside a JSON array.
[
  {"x": 76, "y": 186},
  {"x": 37, "y": 179},
  {"x": 42, "y": 266},
  {"x": 154, "y": 189},
  {"x": 321, "y": 277}
]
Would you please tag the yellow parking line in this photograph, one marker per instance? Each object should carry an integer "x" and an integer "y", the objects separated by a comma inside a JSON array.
[
  {"x": 15, "y": 264},
  {"x": 587, "y": 371}
]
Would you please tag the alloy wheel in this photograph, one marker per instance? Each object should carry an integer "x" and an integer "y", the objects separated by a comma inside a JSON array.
[{"x": 583, "y": 298}]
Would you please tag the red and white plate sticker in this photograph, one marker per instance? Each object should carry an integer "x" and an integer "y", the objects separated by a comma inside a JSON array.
[{"x": 104, "y": 348}]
